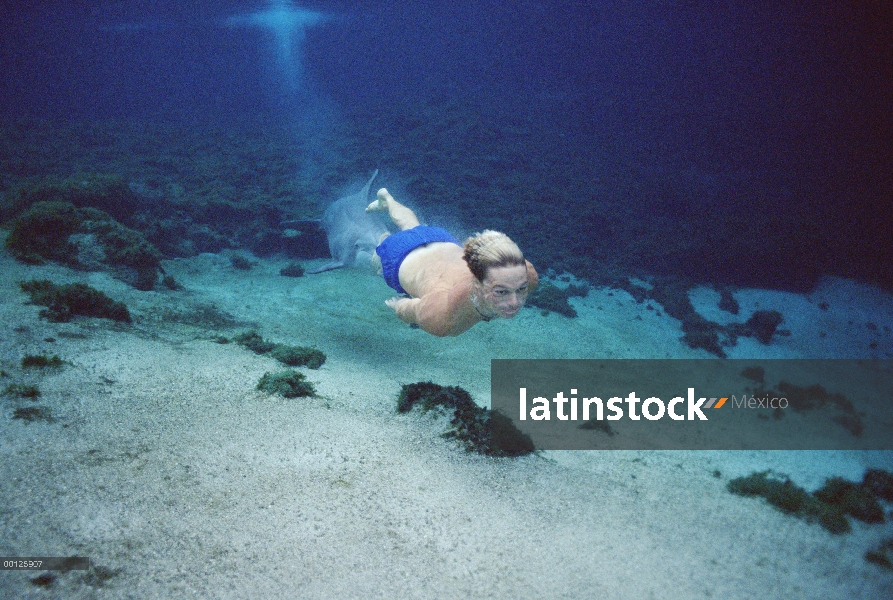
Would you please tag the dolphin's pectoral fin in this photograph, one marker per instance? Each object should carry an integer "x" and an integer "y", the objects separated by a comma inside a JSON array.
[{"x": 326, "y": 267}]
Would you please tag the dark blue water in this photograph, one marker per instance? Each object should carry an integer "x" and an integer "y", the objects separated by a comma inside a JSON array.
[{"x": 690, "y": 120}]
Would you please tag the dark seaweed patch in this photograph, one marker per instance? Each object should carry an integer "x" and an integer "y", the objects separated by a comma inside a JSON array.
[
  {"x": 792, "y": 499},
  {"x": 22, "y": 390},
  {"x": 43, "y": 580},
  {"x": 882, "y": 555},
  {"x": 41, "y": 361},
  {"x": 30, "y": 414},
  {"x": 479, "y": 429},
  {"x": 293, "y": 356},
  {"x": 554, "y": 298},
  {"x": 66, "y": 301},
  {"x": 830, "y": 505}
]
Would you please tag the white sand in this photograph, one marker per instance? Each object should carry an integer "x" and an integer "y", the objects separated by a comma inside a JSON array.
[{"x": 165, "y": 466}]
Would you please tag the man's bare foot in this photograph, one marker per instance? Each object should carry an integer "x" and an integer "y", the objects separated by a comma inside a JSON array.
[{"x": 381, "y": 202}]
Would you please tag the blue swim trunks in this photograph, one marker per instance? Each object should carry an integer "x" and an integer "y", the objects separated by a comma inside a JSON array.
[{"x": 396, "y": 247}]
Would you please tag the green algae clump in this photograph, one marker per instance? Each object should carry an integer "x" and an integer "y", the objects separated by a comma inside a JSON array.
[
  {"x": 830, "y": 505},
  {"x": 124, "y": 246},
  {"x": 42, "y": 361},
  {"x": 289, "y": 384},
  {"x": 104, "y": 191},
  {"x": 293, "y": 356},
  {"x": 22, "y": 390},
  {"x": 853, "y": 499},
  {"x": 479, "y": 429},
  {"x": 30, "y": 414},
  {"x": 553, "y": 298},
  {"x": 298, "y": 356},
  {"x": 879, "y": 483},
  {"x": 66, "y": 301},
  {"x": 254, "y": 342},
  {"x": 42, "y": 233},
  {"x": 791, "y": 499},
  {"x": 882, "y": 556},
  {"x": 85, "y": 237}
]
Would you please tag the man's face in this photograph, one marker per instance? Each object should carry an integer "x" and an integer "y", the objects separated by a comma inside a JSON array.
[{"x": 505, "y": 289}]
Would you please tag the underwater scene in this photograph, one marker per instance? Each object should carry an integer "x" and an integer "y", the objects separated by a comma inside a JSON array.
[{"x": 263, "y": 263}]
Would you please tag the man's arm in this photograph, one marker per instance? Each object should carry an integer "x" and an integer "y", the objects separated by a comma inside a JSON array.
[
  {"x": 533, "y": 278},
  {"x": 405, "y": 308},
  {"x": 424, "y": 312}
]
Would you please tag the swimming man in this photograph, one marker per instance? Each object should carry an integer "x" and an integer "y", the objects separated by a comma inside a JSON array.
[{"x": 452, "y": 286}]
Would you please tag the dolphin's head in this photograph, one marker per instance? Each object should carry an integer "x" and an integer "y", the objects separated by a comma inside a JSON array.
[{"x": 368, "y": 242}]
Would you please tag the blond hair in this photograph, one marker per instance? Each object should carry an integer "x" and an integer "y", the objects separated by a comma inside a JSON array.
[{"x": 490, "y": 249}]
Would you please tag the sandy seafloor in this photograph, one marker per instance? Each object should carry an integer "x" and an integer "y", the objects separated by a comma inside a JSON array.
[{"x": 178, "y": 479}]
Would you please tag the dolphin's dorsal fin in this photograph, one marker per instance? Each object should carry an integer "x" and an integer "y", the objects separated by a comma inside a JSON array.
[{"x": 366, "y": 189}]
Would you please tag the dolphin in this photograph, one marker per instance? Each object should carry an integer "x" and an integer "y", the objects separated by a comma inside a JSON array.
[{"x": 350, "y": 229}]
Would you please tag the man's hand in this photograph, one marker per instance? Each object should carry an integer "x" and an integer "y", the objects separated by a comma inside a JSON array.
[
  {"x": 404, "y": 307},
  {"x": 393, "y": 302}
]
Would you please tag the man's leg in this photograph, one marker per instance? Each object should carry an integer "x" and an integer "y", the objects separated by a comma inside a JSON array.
[{"x": 402, "y": 217}]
